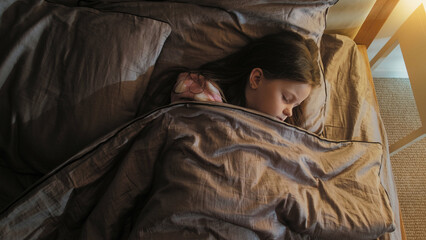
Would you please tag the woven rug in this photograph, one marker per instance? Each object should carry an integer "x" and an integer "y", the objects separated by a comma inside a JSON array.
[{"x": 400, "y": 116}]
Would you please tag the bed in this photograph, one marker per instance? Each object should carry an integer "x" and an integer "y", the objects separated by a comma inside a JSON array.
[{"x": 90, "y": 147}]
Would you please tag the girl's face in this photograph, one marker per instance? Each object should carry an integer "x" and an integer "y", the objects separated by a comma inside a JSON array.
[{"x": 275, "y": 97}]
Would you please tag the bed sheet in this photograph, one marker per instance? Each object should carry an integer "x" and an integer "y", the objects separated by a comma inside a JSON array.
[
  {"x": 70, "y": 74},
  {"x": 199, "y": 170},
  {"x": 352, "y": 111},
  {"x": 111, "y": 161},
  {"x": 67, "y": 77},
  {"x": 348, "y": 107},
  {"x": 204, "y": 31}
]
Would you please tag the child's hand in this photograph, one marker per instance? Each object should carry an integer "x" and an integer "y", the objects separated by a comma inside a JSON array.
[{"x": 194, "y": 86}]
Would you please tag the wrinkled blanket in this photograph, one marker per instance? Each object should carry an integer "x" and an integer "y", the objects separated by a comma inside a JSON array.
[{"x": 208, "y": 171}]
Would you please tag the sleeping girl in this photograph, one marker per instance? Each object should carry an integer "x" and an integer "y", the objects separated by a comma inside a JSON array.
[{"x": 273, "y": 75}]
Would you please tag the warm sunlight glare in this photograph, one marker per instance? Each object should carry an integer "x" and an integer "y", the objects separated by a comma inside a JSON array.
[{"x": 411, "y": 5}]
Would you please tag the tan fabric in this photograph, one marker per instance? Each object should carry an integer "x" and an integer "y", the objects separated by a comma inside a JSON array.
[
  {"x": 209, "y": 170},
  {"x": 352, "y": 111}
]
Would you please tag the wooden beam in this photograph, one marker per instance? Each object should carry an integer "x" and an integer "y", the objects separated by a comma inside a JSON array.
[
  {"x": 403, "y": 234},
  {"x": 408, "y": 140},
  {"x": 384, "y": 52},
  {"x": 363, "y": 50},
  {"x": 374, "y": 21}
]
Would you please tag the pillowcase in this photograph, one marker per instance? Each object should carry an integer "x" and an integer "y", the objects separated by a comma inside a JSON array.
[
  {"x": 207, "y": 30},
  {"x": 69, "y": 76}
]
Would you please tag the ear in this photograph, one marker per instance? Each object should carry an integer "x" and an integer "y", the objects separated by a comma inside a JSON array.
[{"x": 255, "y": 78}]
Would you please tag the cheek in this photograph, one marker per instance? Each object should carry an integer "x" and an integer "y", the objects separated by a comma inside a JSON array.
[
  {"x": 268, "y": 101},
  {"x": 272, "y": 104}
]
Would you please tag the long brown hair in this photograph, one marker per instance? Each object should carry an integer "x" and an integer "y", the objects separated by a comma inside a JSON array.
[{"x": 284, "y": 55}]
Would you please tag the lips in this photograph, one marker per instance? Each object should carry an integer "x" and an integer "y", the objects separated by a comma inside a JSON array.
[{"x": 281, "y": 119}]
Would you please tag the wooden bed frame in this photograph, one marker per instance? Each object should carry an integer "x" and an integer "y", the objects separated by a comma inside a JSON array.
[
  {"x": 363, "y": 50},
  {"x": 365, "y": 36},
  {"x": 374, "y": 21},
  {"x": 410, "y": 37}
]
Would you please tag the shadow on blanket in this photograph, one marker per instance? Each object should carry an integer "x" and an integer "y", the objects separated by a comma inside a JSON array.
[{"x": 208, "y": 170}]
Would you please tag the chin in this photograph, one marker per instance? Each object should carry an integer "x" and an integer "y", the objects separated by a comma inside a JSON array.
[{"x": 281, "y": 119}]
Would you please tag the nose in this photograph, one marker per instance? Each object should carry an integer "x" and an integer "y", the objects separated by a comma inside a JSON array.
[{"x": 288, "y": 111}]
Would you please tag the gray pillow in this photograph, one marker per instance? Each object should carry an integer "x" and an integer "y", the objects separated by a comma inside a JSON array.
[
  {"x": 206, "y": 30},
  {"x": 67, "y": 77}
]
